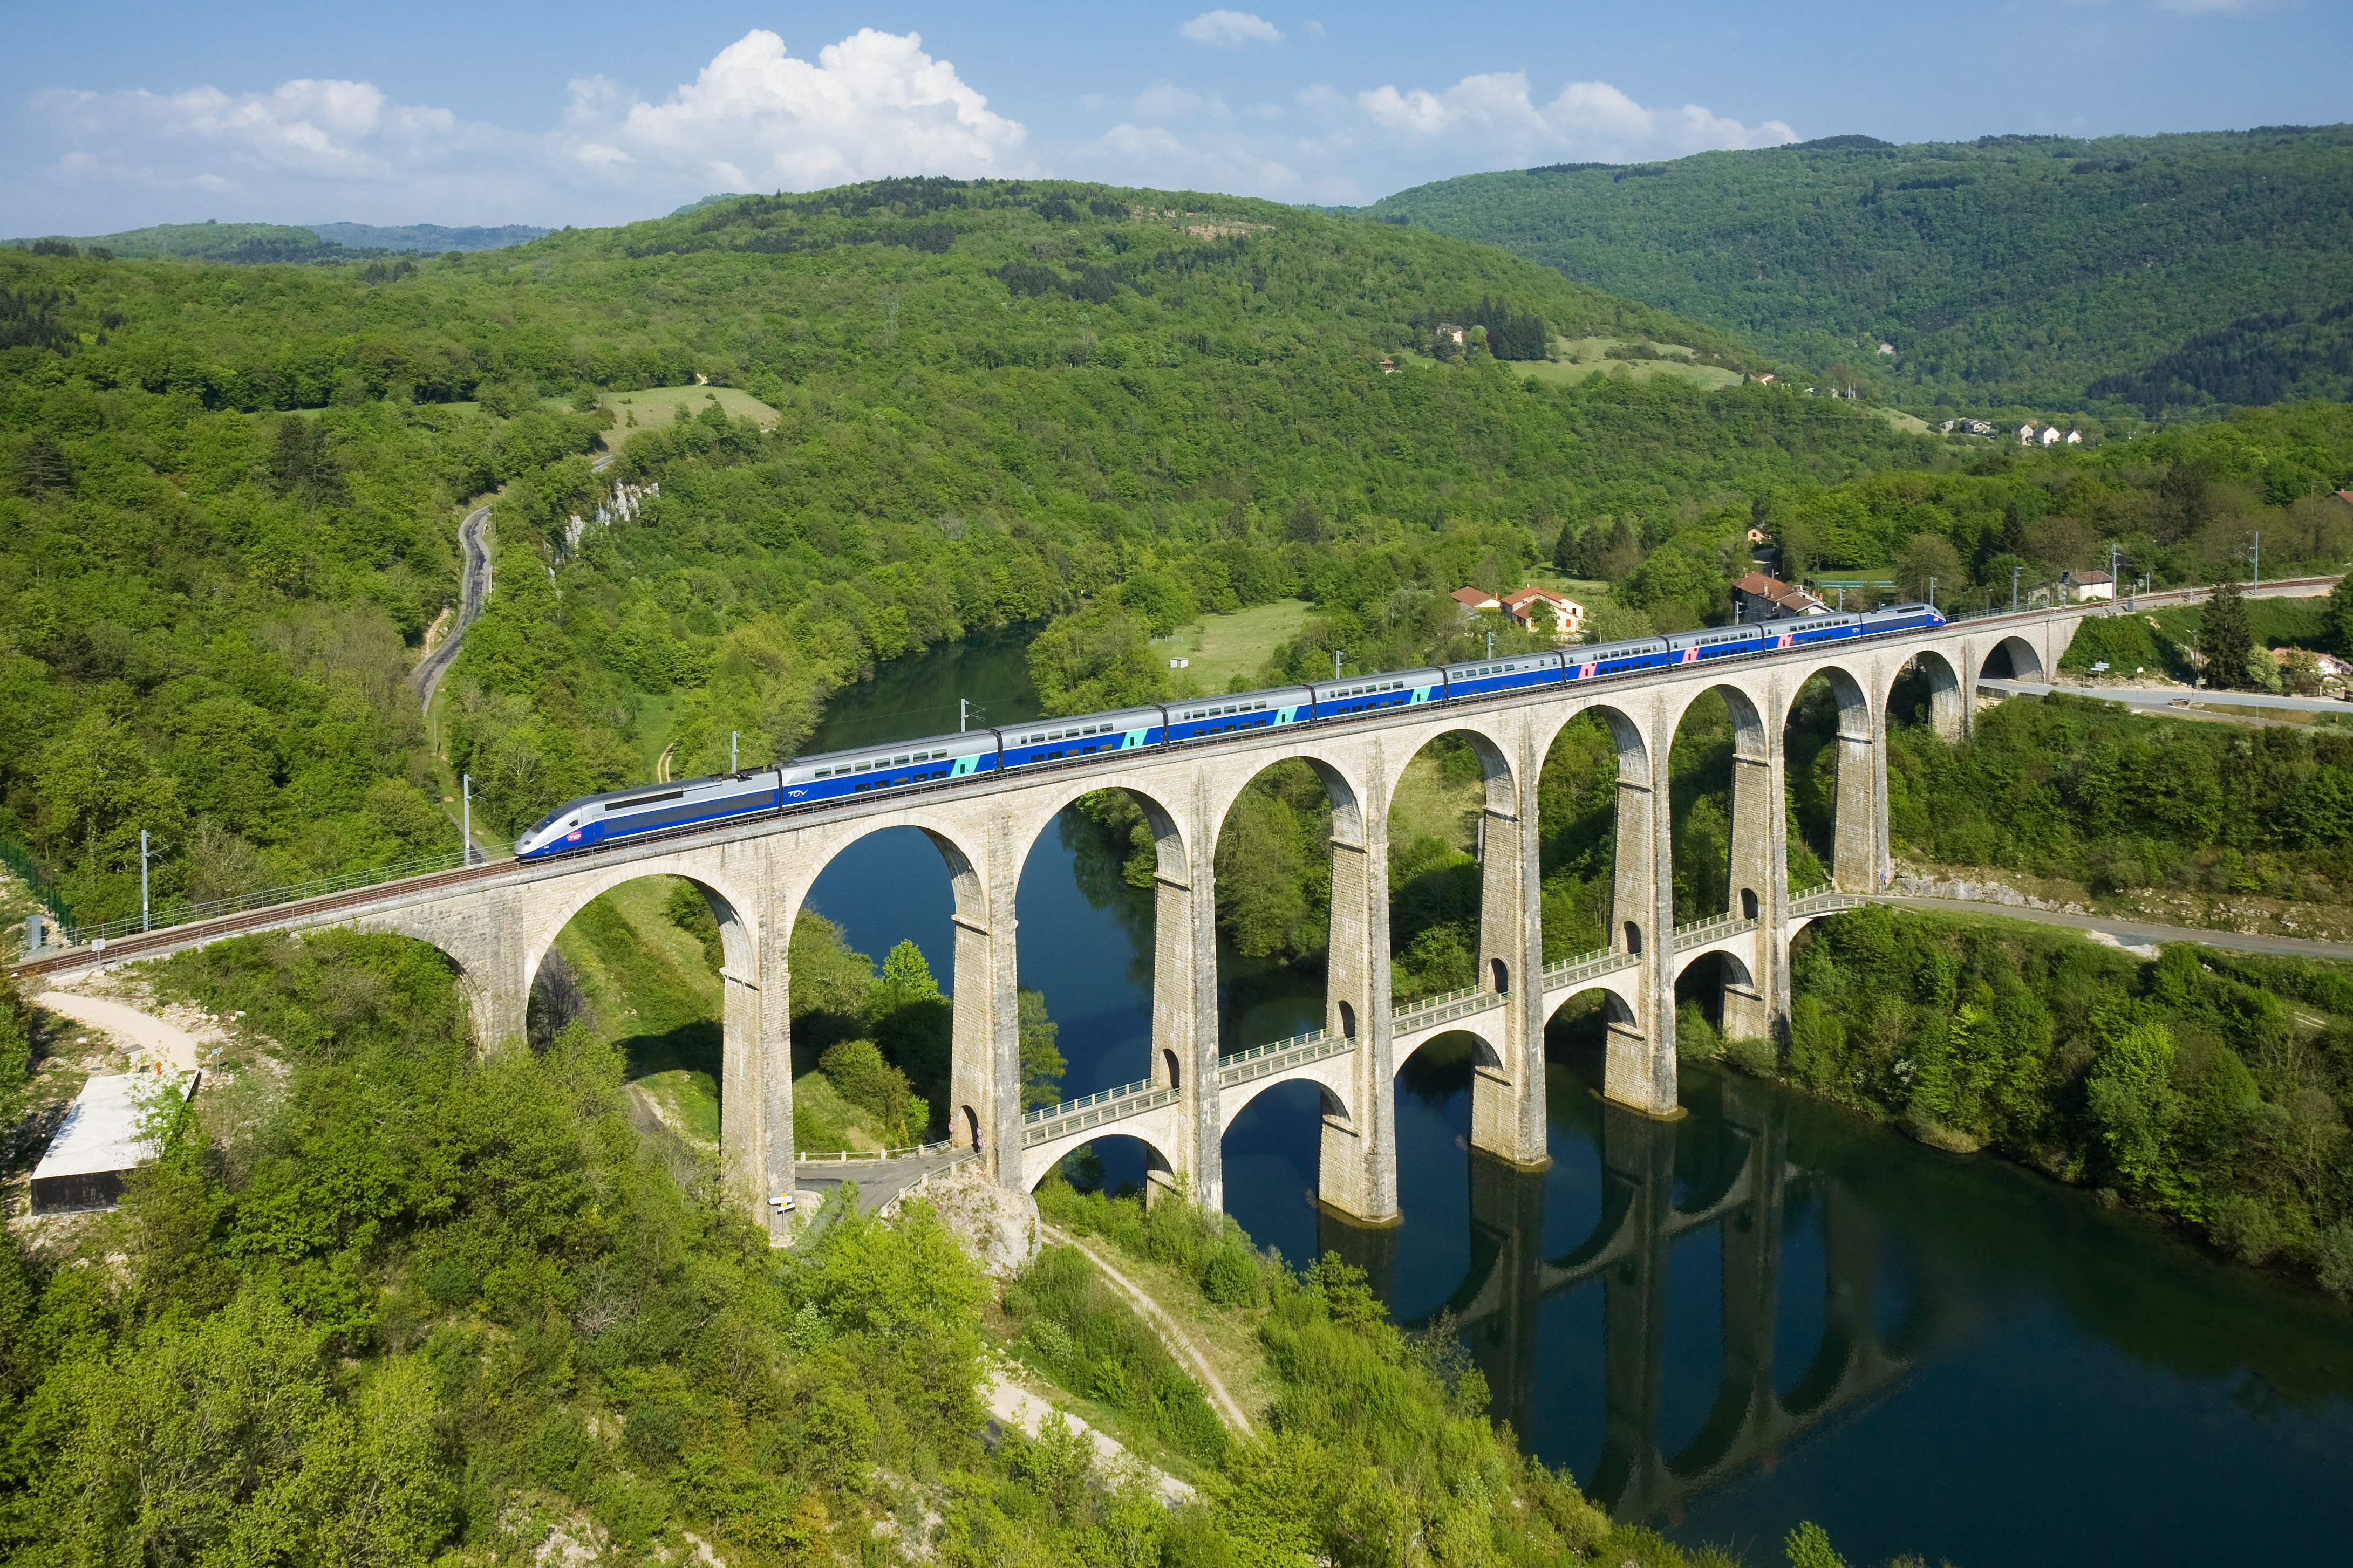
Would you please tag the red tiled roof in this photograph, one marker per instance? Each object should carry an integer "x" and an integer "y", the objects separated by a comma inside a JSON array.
[{"x": 1475, "y": 598}]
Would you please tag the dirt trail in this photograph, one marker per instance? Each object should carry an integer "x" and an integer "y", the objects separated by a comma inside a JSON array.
[
  {"x": 149, "y": 1033},
  {"x": 1017, "y": 1406},
  {"x": 1154, "y": 1313}
]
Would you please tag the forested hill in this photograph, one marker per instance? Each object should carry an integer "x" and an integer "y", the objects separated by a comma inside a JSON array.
[
  {"x": 2042, "y": 273},
  {"x": 228, "y": 493},
  {"x": 255, "y": 244}
]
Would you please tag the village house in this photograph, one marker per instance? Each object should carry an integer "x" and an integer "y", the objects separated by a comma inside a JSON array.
[
  {"x": 1541, "y": 609},
  {"x": 1449, "y": 330},
  {"x": 2084, "y": 587},
  {"x": 2026, "y": 434},
  {"x": 1474, "y": 600},
  {"x": 1758, "y": 597}
]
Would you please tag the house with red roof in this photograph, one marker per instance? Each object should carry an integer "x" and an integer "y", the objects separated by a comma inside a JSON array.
[{"x": 1758, "y": 597}]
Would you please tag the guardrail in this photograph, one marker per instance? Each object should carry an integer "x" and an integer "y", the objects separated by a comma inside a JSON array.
[
  {"x": 1261, "y": 1061},
  {"x": 1093, "y": 1111},
  {"x": 856, "y": 1156},
  {"x": 1440, "y": 1009},
  {"x": 1587, "y": 966},
  {"x": 179, "y": 914},
  {"x": 1698, "y": 934},
  {"x": 1822, "y": 901}
]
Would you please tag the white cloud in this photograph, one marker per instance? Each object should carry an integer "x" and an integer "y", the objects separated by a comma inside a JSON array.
[
  {"x": 1231, "y": 29},
  {"x": 305, "y": 128},
  {"x": 1592, "y": 119},
  {"x": 872, "y": 105},
  {"x": 755, "y": 118},
  {"x": 1327, "y": 145}
]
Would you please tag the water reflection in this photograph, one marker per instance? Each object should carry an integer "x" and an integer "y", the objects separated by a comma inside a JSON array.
[{"x": 1730, "y": 1190}]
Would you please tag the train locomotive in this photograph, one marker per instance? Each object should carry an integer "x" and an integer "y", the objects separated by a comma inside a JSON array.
[{"x": 941, "y": 760}]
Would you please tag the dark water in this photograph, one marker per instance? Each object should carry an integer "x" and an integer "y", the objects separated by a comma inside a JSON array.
[{"x": 1765, "y": 1312}]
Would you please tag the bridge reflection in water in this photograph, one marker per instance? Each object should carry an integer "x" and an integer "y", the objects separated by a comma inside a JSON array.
[{"x": 1664, "y": 1183}]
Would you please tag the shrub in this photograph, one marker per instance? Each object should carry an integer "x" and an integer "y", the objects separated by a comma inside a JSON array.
[{"x": 2245, "y": 1228}]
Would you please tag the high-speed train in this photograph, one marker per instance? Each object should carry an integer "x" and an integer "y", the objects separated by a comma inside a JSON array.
[{"x": 804, "y": 782}]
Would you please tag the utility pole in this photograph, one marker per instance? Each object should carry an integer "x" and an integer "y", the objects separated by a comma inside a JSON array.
[
  {"x": 731, "y": 735},
  {"x": 143, "y": 879},
  {"x": 2256, "y": 541},
  {"x": 466, "y": 822},
  {"x": 964, "y": 714},
  {"x": 2115, "y": 564},
  {"x": 1932, "y": 592},
  {"x": 2013, "y": 585},
  {"x": 1491, "y": 649},
  {"x": 1337, "y": 655}
]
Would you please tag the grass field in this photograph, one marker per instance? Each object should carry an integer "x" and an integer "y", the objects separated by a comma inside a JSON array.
[
  {"x": 1429, "y": 803},
  {"x": 651, "y": 988},
  {"x": 1586, "y": 356},
  {"x": 1221, "y": 648},
  {"x": 661, "y": 405}
]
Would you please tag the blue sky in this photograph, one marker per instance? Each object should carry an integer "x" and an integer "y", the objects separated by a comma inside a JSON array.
[{"x": 589, "y": 113}]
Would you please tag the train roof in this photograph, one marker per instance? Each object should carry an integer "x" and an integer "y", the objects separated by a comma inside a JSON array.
[
  {"x": 1201, "y": 707},
  {"x": 1381, "y": 680},
  {"x": 1593, "y": 653},
  {"x": 962, "y": 745},
  {"x": 1534, "y": 659},
  {"x": 1077, "y": 723}
]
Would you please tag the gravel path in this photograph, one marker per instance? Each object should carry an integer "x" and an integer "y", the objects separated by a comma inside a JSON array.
[
  {"x": 2139, "y": 930},
  {"x": 174, "y": 1046},
  {"x": 1018, "y": 1407},
  {"x": 1178, "y": 1340}
]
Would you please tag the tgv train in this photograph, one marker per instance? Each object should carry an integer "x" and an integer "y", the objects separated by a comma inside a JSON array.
[{"x": 598, "y": 819}]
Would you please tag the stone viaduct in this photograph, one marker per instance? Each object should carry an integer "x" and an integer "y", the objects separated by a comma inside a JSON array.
[{"x": 497, "y": 923}]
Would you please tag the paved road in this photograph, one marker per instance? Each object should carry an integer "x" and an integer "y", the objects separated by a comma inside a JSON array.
[
  {"x": 879, "y": 1181},
  {"x": 474, "y": 593},
  {"x": 2165, "y": 697},
  {"x": 474, "y": 590},
  {"x": 2137, "y": 931}
]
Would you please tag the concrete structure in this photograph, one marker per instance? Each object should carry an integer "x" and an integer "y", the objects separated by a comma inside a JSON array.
[
  {"x": 497, "y": 922},
  {"x": 102, "y": 1139}
]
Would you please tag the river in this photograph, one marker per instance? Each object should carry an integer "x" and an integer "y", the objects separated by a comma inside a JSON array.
[{"x": 1768, "y": 1311}]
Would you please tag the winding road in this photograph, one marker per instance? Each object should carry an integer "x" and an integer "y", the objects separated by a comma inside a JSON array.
[
  {"x": 474, "y": 589},
  {"x": 474, "y": 593}
]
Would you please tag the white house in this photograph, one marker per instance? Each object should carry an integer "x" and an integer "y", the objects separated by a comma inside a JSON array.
[
  {"x": 2074, "y": 437},
  {"x": 1533, "y": 606},
  {"x": 2049, "y": 435},
  {"x": 2083, "y": 587},
  {"x": 2026, "y": 434}
]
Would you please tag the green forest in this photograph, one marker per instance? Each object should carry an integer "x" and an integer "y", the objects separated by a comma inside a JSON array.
[
  {"x": 2197, "y": 1085},
  {"x": 2126, "y": 276}
]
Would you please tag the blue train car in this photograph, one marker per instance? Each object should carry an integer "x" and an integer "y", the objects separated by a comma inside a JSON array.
[
  {"x": 1717, "y": 642},
  {"x": 1081, "y": 735},
  {"x": 1509, "y": 673},
  {"x": 1614, "y": 658},
  {"x": 1902, "y": 619},
  {"x": 1802, "y": 631},
  {"x": 616, "y": 814},
  {"x": 1366, "y": 693},
  {"x": 862, "y": 771},
  {"x": 1195, "y": 717}
]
